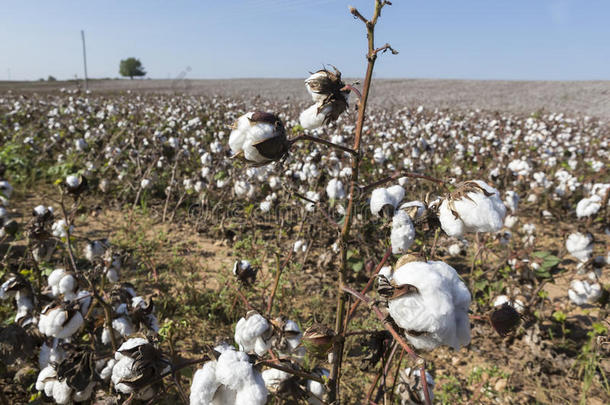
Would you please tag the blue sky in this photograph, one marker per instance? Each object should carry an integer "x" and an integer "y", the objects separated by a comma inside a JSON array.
[{"x": 465, "y": 39}]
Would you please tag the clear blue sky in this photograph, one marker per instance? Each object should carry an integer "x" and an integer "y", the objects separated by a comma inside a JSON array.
[{"x": 478, "y": 39}]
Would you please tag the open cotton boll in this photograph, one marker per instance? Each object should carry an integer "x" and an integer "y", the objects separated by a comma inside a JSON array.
[
  {"x": 106, "y": 371},
  {"x": 80, "y": 396},
  {"x": 273, "y": 378},
  {"x": 512, "y": 201},
  {"x": 253, "y": 392},
  {"x": 581, "y": 292},
  {"x": 73, "y": 181},
  {"x": 54, "y": 279},
  {"x": 123, "y": 369},
  {"x": 299, "y": 246},
  {"x": 403, "y": 233},
  {"x": 25, "y": 305},
  {"x": 517, "y": 303},
  {"x": 385, "y": 200},
  {"x": 252, "y": 334},
  {"x": 473, "y": 207},
  {"x": 588, "y": 206},
  {"x": 510, "y": 221},
  {"x": 204, "y": 385},
  {"x": 251, "y": 130},
  {"x": 335, "y": 190},
  {"x": 311, "y": 118},
  {"x": 60, "y": 228},
  {"x": 121, "y": 325},
  {"x": 60, "y": 323},
  {"x": 317, "y": 390},
  {"x": 6, "y": 190},
  {"x": 438, "y": 312},
  {"x": 580, "y": 246},
  {"x": 45, "y": 380},
  {"x": 50, "y": 354}
]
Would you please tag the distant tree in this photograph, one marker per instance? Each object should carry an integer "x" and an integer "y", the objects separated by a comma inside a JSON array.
[
  {"x": 131, "y": 67},
  {"x": 51, "y": 79}
]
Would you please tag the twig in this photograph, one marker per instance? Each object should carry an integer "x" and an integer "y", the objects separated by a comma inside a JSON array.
[
  {"x": 323, "y": 142},
  {"x": 397, "y": 175},
  {"x": 384, "y": 49},
  {"x": 292, "y": 371}
]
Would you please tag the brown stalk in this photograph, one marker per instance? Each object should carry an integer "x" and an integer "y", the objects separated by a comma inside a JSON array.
[
  {"x": 323, "y": 142},
  {"x": 345, "y": 231}
]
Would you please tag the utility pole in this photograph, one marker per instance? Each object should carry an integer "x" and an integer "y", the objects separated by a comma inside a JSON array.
[{"x": 82, "y": 33}]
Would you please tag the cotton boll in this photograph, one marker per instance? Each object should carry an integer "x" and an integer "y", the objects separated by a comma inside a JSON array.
[
  {"x": 473, "y": 207},
  {"x": 299, "y": 246},
  {"x": 313, "y": 117},
  {"x": 512, "y": 201},
  {"x": 233, "y": 369},
  {"x": 106, "y": 371},
  {"x": 50, "y": 354},
  {"x": 252, "y": 392},
  {"x": 253, "y": 128},
  {"x": 60, "y": 323},
  {"x": 273, "y": 378},
  {"x": 580, "y": 246},
  {"x": 252, "y": 334},
  {"x": 335, "y": 190},
  {"x": 317, "y": 391},
  {"x": 204, "y": 385},
  {"x": 517, "y": 303},
  {"x": 415, "y": 209},
  {"x": 439, "y": 309},
  {"x": 510, "y": 221},
  {"x": 581, "y": 292},
  {"x": 588, "y": 206},
  {"x": 403, "y": 233},
  {"x": 60, "y": 229},
  {"x": 454, "y": 249},
  {"x": 385, "y": 200}
]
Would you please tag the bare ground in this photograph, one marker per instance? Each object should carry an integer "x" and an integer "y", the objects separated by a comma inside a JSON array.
[{"x": 574, "y": 98}]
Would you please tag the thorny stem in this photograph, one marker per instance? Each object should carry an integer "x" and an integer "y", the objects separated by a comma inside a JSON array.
[
  {"x": 345, "y": 231},
  {"x": 323, "y": 142}
]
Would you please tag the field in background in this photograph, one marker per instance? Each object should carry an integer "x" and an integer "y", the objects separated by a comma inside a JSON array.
[{"x": 587, "y": 97}]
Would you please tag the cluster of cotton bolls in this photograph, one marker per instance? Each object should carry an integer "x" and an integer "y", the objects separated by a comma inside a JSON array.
[
  {"x": 230, "y": 376},
  {"x": 7, "y": 225},
  {"x": 20, "y": 289}
]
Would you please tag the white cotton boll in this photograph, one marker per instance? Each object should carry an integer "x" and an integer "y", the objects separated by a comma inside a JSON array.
[
  {"x": 265, "y": 206},
  {"x": 316, "y": 389},
  {"x": 335, "y": 190},
  {"x": 55, "y": 323},
  {"x": 6, "y": 190},
  {"x": 403, "y": 233},
  {"x": 299, "y": 246},
  {"x": 204, "y": 385},
  {"x": 396, "y": 193},
  {"x": 106, "y": 372},
  {"x": 46, "y": 373},
  {"x": 72, "y": 181},
  {"x": 440, "y": 309},
  {"x": 50, "y": 354},
  {"x": 25, "y": 305},
  {"x": 3, "y": 212},
  {"x": 312, "y": 119},
  {"x": 145, "y": 184},
  {"x": 54, "y": 279},
  {"x": 274, "y": 182},
  {"x": 253, "y": 392},
  {"x": 532, "y": 198},
  {"x": 517, "y": 303},
  {"x": 510, "y": 221},
  {"x": 477, "y": 213},
  {"x": 94, "y": 249},
  {"x": 233, "y": 369},
  {"x": 238, "y": 135},
  {"x": 581, "y": 292},
  {"x": 512, "y": 201},
  {"x": 455, "y": 249},
  {"x": 588, "y": 206},
  {"x": 580, "y": 246},
  {"x": 274, "y": 377},
  {"x": 249, "y": 334},
  {"x": 62, "y": 393},
  {"x": 122, "y": 370},
  {"x": 67, "y": 286},
  {"x": 60, "y": 229}
]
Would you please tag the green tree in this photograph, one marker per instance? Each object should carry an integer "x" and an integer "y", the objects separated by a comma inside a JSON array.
[{"x": 131, "y": 67}]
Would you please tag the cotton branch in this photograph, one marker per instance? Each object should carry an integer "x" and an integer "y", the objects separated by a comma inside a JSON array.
[
  {"x": 384, "y": 49},
  {"x": 323, "y": 142}
]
